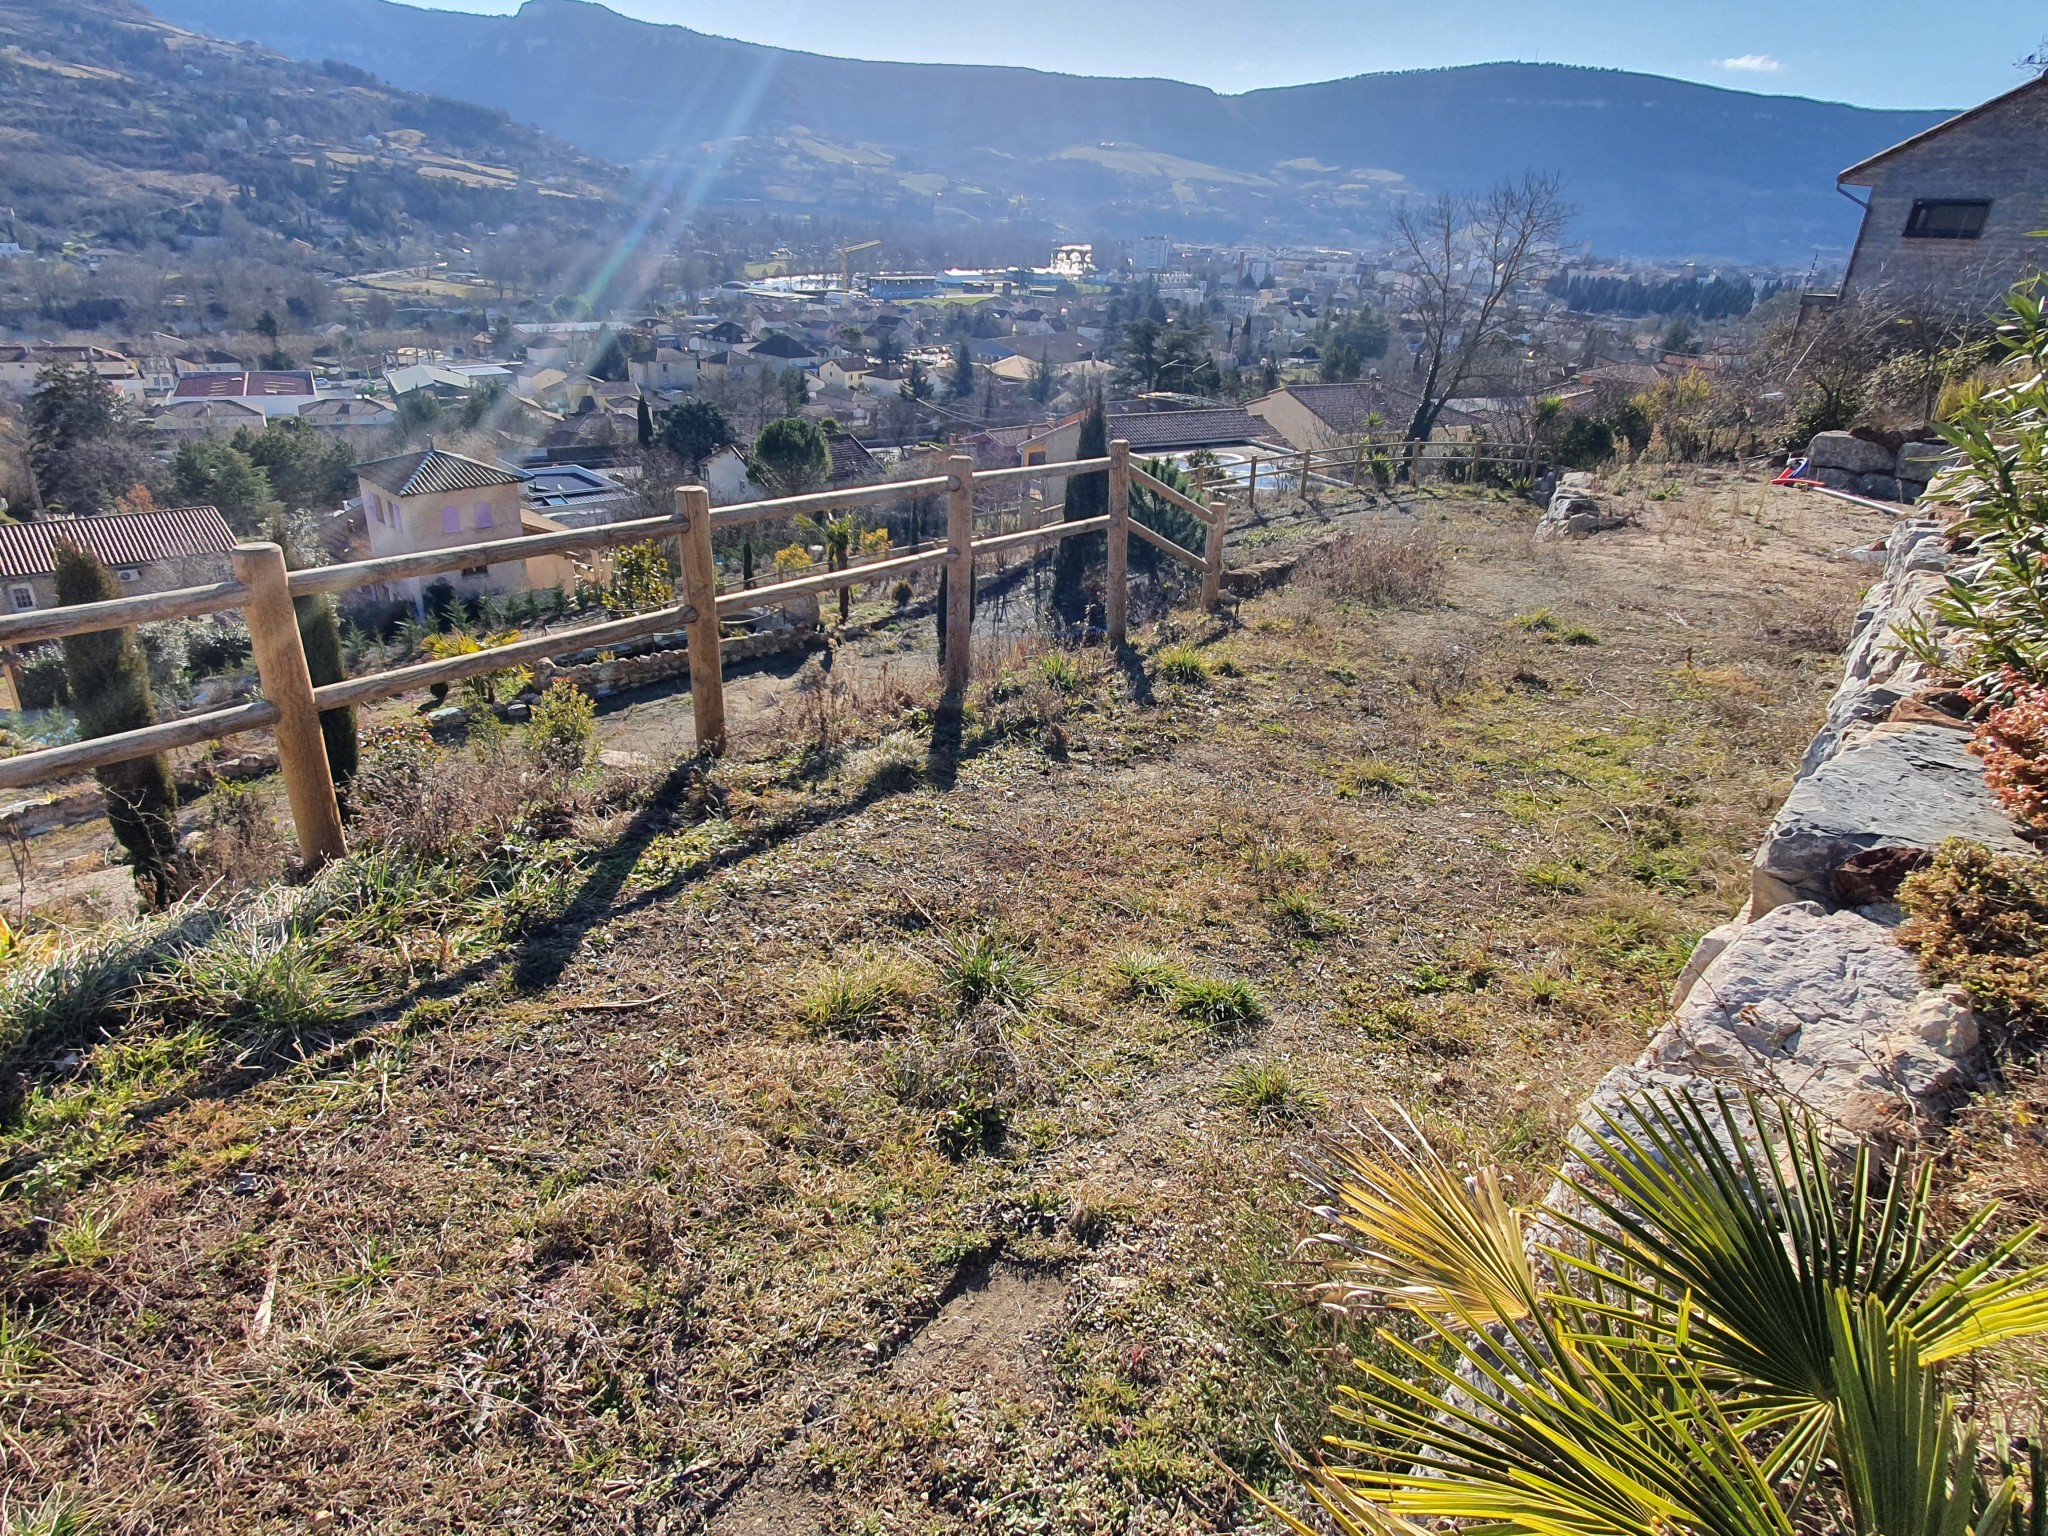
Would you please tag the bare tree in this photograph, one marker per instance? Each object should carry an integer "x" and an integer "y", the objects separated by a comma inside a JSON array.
[{"x": 1467, "y": 258}]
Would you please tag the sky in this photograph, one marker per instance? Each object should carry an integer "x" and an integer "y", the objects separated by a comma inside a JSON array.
[{"x": 1878, "y": 53}]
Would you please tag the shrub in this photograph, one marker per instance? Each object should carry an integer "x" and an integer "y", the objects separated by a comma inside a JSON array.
[
  {"x": 561, "y": 730},
  {"x": 1383, "y": 567},
  {"x": 1979, "y": 920},
  {"x": 109, "y": 682},
  {"x": 239, "y": 843},
  {"x": 1060, "y": 672},
  {"x": 2013, "y": 741},
  {"x": 43, "y": 684},
  {"x": 320, "y": 634},
  {"x": 1583, "y": 442},
  {"x": 1998, "y": 602}
]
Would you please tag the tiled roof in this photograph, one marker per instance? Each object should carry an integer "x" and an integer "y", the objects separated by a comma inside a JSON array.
[
  {"x": 851, "y": 461},
  {"x": 432, "y": 470},
  {"x": 125, "y": 538},
  {"x": 1187, "y": 429}
]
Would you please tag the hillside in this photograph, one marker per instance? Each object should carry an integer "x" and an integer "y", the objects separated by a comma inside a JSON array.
[
  {"x": 877, "y": 1131},
  {"x": 1658, "y": 167},
  {"x": 121, "y": 129}
]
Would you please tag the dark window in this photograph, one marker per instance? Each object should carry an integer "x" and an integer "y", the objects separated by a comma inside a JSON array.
[{"x": 1947, "y": 221}]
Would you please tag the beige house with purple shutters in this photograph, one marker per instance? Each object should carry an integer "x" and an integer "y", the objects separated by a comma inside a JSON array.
[{"x": 433, "y": 499}]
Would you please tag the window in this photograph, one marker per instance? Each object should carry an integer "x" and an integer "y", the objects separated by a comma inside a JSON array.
[
  {"x": 23, "y": 597},
  {"x": 483, "y": 515},
  {"x": 1947, "y": 221},
  {"x": 451, "y": 519}
]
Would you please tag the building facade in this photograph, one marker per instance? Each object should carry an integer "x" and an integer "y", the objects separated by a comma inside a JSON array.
[
  {"x": 433, "y": 499},
  {"x": 1949, "y": 225}
]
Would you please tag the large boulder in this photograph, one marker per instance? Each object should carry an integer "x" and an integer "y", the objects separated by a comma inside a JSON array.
[
  {"x": 1878, "y": 487},
  {"x": 1911, "y": 786},
  {"x": 1921, "y": 462},
  {"x": 1575, "y": 511},
  {"x": 1827, "y": 1009},
  {"x": 1849, "y": 453}
]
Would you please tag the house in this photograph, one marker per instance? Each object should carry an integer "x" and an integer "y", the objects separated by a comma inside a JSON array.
[
  {"x": 348, "y": 413},
  {"x": 1148, "y": 431},
  {"x": 777, "y": 352},
  {"x": 454, "y": 381},
  {"x": 433, "y": 499},
  {"x": 727, "y": 479},
  {"x": 1952, "y": 212},
  {"x": 668, "y": 370},
  {"x": 1330, "y": 415},
  {"x": 850, "y": 372},
  {"x": 154, "y": 551},
  {"x": 852, "y": 464},
  {"x": 273, "y": 392},
  {"x": 207, "y": 418},
  {"x": 577, "y": 496},
  {"x": 20, "y": 364}
]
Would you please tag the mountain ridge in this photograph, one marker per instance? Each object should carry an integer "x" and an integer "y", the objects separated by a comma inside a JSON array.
[{"x": 1659, "y": 167}]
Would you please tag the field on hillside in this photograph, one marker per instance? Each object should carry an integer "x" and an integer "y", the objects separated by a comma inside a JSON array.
[{"x": 890, "y": 1128}]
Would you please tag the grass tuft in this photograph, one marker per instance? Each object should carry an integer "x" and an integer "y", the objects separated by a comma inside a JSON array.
[
  {"x": 1144, "y": 973},
  {"x": 985, "y": 967},
  {"x": 1223, "y": 1007},
  {"x": 856, "y": 999},
  {"x": 1268, "y": 1091},
  {"x": 1181, "y": 664},
  {"x": 1308, "y": 915}
]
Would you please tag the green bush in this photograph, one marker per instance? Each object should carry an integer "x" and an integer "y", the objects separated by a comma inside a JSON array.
[
  {"x": 562, "y": 728},
  {"x": 1979, "y": 920},
  {"x": 1997, "y": 603},
  {"x": 109, "y": 683}
]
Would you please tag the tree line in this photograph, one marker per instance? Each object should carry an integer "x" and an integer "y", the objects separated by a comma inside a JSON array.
[{"x": 1709, "y": 298}]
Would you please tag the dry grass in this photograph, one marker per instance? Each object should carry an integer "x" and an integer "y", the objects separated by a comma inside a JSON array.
[{"x": 628, "y": 1190}]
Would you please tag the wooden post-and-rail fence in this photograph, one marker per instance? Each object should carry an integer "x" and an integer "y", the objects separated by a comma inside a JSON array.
[{"x": 291, "y": 705}]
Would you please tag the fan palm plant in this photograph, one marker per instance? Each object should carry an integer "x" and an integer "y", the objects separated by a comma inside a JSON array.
[
  {"x": 1716, "y": 1325},
  {"x": 838, "y": 535}
]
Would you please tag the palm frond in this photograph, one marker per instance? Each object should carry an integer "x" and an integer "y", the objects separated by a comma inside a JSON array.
[
  {"x": 1908, "y": 1467},
  {"x": 1412, "y": 1231},
  {"x": 1735, "y": 1218},
  {"x": 1632, "y": 1444}
]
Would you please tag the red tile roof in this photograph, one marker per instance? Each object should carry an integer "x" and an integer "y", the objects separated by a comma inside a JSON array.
[{"x": 124, "y": 538}]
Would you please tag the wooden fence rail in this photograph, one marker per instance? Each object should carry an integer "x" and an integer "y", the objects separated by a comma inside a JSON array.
[{"x": 291, "y": 705}]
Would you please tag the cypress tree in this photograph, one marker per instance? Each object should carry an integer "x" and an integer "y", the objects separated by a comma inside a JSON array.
[
  {"x": 1087, "y": 496},
  {"x": 109, "y": 682}
]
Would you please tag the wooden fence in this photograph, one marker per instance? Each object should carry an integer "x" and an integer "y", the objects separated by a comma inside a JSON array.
[{"x": 291, "y": 705}]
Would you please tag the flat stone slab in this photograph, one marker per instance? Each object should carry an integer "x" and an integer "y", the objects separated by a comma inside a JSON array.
[{"x": 1891, "y": 785}]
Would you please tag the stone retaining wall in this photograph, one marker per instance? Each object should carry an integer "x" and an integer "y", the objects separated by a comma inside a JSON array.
[
  {"x": 601, "y": 679},
  {"x": 1883, "y": 471},
  {"x": 1806, "y": 993}
]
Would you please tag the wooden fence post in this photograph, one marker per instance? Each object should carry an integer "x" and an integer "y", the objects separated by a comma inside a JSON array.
[
  {"x": 960, "y": 576},
  {"x": 700, "y": 593},
  {"x": 1116, "y": 594},
  {"x": 1212, "y": 556},
  {"x": 1251, "y": 487},
  {"x": 281, "y": 668}
]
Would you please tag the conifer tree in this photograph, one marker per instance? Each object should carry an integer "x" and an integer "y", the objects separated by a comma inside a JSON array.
[
  {"x": 109, "y": 681},
  {"x": 1087, "y": 496}
]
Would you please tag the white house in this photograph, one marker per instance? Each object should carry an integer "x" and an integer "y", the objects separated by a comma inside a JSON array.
[
  {"x": 668, "y": 370},
  {"x": 273, "y": 392}
]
